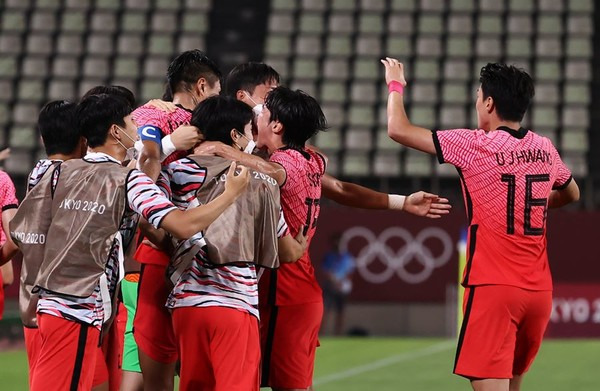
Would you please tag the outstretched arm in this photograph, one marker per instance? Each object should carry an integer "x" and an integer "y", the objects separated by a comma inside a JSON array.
[
  {"x": 254, "y": 162},
  {"x": 400, "y": 129},
  {"x": 356, "y": 196}
]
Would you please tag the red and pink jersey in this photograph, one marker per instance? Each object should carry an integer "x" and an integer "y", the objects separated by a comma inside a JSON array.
[
  {"x": 295, "y": 283},
  {"x": 154, "y": 124},
  {"x": 507, "y": 176},
  {"x": 8, "y": 199}
]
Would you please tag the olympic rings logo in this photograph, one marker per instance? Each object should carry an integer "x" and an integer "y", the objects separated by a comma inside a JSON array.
[{"x": 395, "y": 261}]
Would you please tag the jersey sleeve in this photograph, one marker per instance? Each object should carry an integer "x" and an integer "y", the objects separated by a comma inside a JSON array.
[
  {"x": 145, "y": 198},
  {"x": 150, "y": 122},
  {"x": 563, "y": 174},
  {"x": 282, "y": 227},
  {"x": 186, "y": 178},
  {"x": 8, "y": 196},
  {"x": 456, "y": 146}
]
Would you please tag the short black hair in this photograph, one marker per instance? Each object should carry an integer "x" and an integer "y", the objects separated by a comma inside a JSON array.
[
  {"x": 188, "y": 67},
  {"x": 58, "y": 128},
  {"x": 510, "y": 87},
  {"x": 97, "y": 113},
  {"x": 298, "y": 112},
  {"x": 217, "y": 115},
  {"x": 249, "y": 75},
  {"x": 121, "y": 91}
]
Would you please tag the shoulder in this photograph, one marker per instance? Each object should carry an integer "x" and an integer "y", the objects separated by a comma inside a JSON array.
[
  {"x": 146, "y": 114},
  {"x": 5, "y": 178}
]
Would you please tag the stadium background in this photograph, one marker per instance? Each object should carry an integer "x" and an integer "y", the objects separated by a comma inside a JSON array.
[{"x": 55, "y": 49}]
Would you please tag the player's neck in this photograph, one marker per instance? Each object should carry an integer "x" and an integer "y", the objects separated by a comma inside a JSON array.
[
  {"x": 63, "y": 157},
  {"x": 186, "y": 100},
  {"x": 496, "y": 123},
  {"x": 114, "y": 150}
]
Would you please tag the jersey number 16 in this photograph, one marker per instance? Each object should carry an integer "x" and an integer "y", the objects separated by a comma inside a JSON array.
[{"x": 530, "y": 202}]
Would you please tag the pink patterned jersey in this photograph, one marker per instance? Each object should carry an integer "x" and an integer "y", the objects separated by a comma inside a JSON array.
[
  {"x": 8, "y": 199},
  {"x": 295, "y": 283},
  {"x": 154, "y": 124},
  {"x": 507, "y": 176}
]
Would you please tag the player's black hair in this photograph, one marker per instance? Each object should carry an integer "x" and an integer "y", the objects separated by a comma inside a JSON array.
[
  {"x": 510, "y": 87},
  {"x": 298, "y": 112},
  {"x": 121, "y": 91},
  {"x": 217, "y": 115},
  {"x": 188, "y": 67},
  {"x": 58, "y": 128},
  {"x": 97, "y": 113},
  {"x": 249, "y": 75}
]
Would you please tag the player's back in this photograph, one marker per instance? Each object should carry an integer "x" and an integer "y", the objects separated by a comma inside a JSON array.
[
  {"x": 300, "y": 200},
  {"x": 507, "y": 178}
]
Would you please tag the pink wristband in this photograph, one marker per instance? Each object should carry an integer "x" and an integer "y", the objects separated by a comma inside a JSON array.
[{"x": 395, "y": 86}]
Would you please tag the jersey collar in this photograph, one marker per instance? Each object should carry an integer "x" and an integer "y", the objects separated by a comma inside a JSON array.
[
  {"x": 515, "y": 133},
  {"x": 181, "y": 107}
]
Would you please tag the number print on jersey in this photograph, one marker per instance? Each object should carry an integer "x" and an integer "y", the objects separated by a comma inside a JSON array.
[
  {"x": 530, "y": 202},
  {"x": 313, "y": 205}
]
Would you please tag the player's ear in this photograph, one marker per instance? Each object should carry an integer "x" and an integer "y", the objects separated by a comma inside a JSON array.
[
  {"x": 200, "y": 86},
  {"x": 240, "y": 95},
  {"x": 234, "y": 135},
  {"x": 277, "y": 127},
  {"x": 489, "y": 104},
  {"x": 114, "y": 131}
]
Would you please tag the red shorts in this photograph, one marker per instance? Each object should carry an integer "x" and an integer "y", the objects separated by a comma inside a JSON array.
[
  {"x": 219, "y": 347},
  {"x": 67, "y": 357},
  {"x": 502, "y": 331},
  {"x": 112, "y": 347},
  {"x": 289, "y": 340},
  {"x": 152, "y": 326},
  {"x": 33, "y": 344},
  {"x": 100, "y": 369}
]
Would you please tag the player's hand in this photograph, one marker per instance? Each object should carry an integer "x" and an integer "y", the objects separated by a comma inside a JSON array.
[
  {"x": 236, "y": 184},
  {"x": 4, "y": 154},
  {"x": 426, "y": 204},
  {"x": 147, "y": 242},
  {"x": 394, "y": 71},
  {"x": 186, "y": 137},
  {"x": 301, "y": 238},
  {"x": 167, "y": 107}
]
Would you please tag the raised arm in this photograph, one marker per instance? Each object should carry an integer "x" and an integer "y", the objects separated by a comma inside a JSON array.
[
  {"x": 562, "y": 197},
  {"x": 149, "y": 159},
  {"x": 400, "y": 129}
]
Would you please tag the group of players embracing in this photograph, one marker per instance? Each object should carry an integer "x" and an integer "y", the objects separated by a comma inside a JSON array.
[{"x": 174, "y": 237}]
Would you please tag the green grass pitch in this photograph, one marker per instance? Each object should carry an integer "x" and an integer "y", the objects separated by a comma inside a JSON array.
[{"x": 405, "y": 364}]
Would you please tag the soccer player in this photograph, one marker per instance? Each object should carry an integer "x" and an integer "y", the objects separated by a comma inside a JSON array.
[
  {"x": 252, "y": 83},
  {"x": 215, "y": 299},
  {"x": 192, "y": 77},
  {"x": 62, "y": 141},
  {"x": 510, "y": 176},
  {"x": 8, "y": 206},
  {"x": 94, "y": 203},
  {"x": 121, "y": 343}
]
